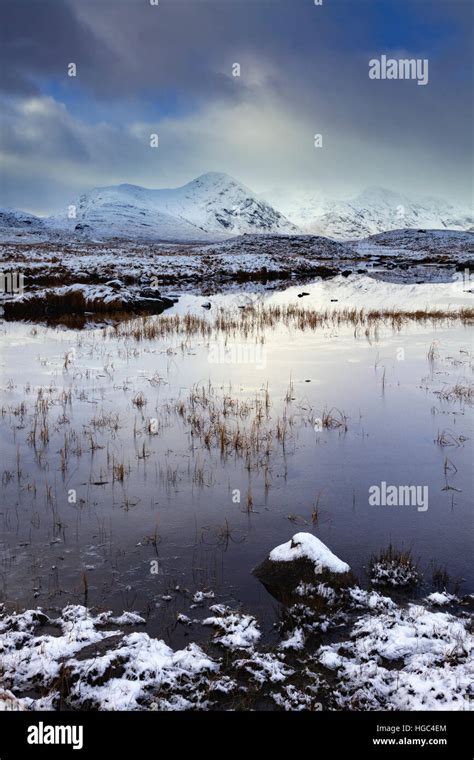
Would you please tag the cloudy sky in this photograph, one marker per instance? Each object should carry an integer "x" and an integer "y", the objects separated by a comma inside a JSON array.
[{"x": 167, "y": 69}]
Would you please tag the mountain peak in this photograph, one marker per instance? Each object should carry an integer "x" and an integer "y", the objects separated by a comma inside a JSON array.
[
  {"x": 211, "y": 207},
  {"x": 210, "y": 180},
  {"x": 214, "y": 177},
  {"x": 376, "y": 193}
]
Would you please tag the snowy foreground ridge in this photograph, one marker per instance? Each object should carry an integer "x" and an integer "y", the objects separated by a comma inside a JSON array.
[{"x": 388, "y": 657}]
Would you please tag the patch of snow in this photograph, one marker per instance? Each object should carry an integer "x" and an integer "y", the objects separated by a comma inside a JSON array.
[
  {"x": 119, "y": 676},
  {"x": 404, "y": 659},
  {"x": 126, "y": 618},
  {"x": 10, "y": 703},
  {"x": 295, "y": 700},
  {"x": 147, "y": 665},
  {"x": 265, "y": 667},
  {"x": 238, "y": 631},
  {"x": 439, "y": 599},
  {"x": 307, "y": 546},
  {"x": 393, "y": 573},
  {"x": 371, "y": 599},
  {"x": 295, "y": 641},
  {"x": 201, "y": 596}
]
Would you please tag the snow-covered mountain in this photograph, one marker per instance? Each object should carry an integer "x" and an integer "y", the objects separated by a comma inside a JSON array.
[
  {"x": 19, "y": 220},
  {"x": 213, "y": 206},
  {"x": 216, "y": 207},
  {"x": 18, "y": 225},
  {"x": 374, "y": 210}
]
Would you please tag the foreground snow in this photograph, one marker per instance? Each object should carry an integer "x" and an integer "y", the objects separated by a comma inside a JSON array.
[
  {"x": 404, "y": 659},
  {"x": 387, "y": 656}
]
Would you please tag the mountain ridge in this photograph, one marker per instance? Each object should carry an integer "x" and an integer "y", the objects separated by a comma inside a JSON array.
[
  {"x": 214, "y": 206},
  {"x": 375, "y": 209}
]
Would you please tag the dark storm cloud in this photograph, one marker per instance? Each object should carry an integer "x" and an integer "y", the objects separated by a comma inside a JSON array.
[
  {"x": 39, "y": 38},
  {"x": 167, "y": 68},
  {"x": 121, "y": 46}
]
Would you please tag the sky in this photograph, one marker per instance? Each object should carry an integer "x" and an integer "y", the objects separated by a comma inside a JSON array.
[{"x": 167, "y": 69}]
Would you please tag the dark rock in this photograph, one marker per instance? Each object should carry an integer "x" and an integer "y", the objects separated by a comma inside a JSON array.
[
  {"x": 152, "y": 305},
  {"x": 148, "y": 292},
  {"x": 303, "y": 559},
  {"x": 115, "y": 284}
]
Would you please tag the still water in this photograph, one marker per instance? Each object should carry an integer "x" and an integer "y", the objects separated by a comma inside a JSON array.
[{"x": 111, "y": 495}]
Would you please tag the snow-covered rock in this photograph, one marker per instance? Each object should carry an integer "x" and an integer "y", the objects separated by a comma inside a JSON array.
[
  {"x": 80, "y": 299},
  {"x": 303, "y": 559},
  {"x": 440, "y": 598},
  {"x": 307, "y": 546}
]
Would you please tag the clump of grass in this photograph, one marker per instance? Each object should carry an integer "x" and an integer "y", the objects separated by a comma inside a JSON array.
[
  {"x": 442, "y": 580},
  {"x": 139, "y": 400},
  {"x": 433, "y": 352},
  {"x": 154, "y": 538},
  {"x": 440, "y": 577},
  {"x": 256, "y": 318},
  {"x": 249, "y": 499},
  {"x": 334, "y": 419},
  {"x": 448, "y": 438},
  {"x": 315, "y": 514},
  {"x": 118, "y": 470},
  {"x": 394, "y": 568},
  {"x": 105, "y": 420},
  {"x": 458, "y": 392},
  {"x": 143, "y": 452},
  {"x": 85, "y": 586}
]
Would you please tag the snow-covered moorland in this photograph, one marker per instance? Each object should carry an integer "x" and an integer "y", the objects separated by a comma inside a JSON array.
[{"x": 129, "y": 276}]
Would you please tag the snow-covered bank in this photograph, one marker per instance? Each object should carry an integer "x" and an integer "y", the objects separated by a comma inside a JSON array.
[
  {"x": 387, "y": 656},
  {"x": 365, "y": 292},
  {"x": 356, "y": 291},
  {"x": 403, "y": 659}
]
